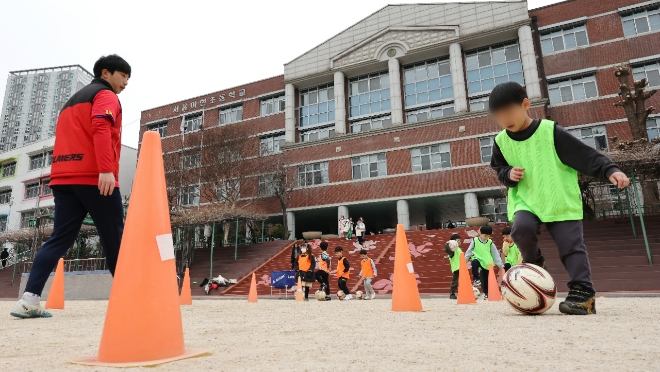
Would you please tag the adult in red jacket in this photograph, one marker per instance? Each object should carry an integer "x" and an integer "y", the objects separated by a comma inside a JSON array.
[{"x": 84, "y": 176}]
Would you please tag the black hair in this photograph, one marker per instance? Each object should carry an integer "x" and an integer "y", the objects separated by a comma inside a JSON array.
[
  {"x": 111, "y": 63},
  {"x": 363, "y": 251},
  {"x": 454, "y": 236},
  {"x": 506, "y": 231},
  {"x": 486, "y": 230},
  {"x": 324, "y": 246},
  {"x": 339, "y": 249},
  {"x": 506, "y": 94}
]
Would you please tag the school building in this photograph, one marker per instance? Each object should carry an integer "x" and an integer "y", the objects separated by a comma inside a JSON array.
[{"x": 388, "y": 119}]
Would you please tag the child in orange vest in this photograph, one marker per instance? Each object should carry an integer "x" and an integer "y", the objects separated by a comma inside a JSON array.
[
  {"x": 342, "y": 272},
  {"x": 368, "y": 272},
  {"x": 306, "y": 264},
  {"x": 323, "y": 269}
]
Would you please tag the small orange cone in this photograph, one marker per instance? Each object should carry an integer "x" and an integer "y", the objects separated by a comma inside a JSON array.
[
  {"x": 252, "y": 296},
  {"x": 299, "y": 292},
  {"x": 465, "y": 293},
  {"x": 56, "y": 294},
  {"x": 405, "y": 294},
  {"x": 186, "y": 295},
  {"x": 143, "y": 322},
  {"x": 493, "y": 287}
]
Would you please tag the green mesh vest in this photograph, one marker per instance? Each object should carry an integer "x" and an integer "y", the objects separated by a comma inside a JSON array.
[
  {"x": 549, "y": 188},
  {"x": 512, "y": 255},
  {"x": 455, "y": 261},
  {"x": 482, "y": 253}
]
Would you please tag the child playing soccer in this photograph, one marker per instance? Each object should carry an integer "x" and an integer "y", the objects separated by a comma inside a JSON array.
[
  {"x": 539, "y": 162},
  {"x": 323, "y": 272},
  {"x": 342, "y": 272},
  {"x": 485, "y": 253},
  {"x": 453, "y": 250},
  {"x": 306, "y": 264},
  {"x": 368, "y": 272},
  {"x": 510, "y": 250}
]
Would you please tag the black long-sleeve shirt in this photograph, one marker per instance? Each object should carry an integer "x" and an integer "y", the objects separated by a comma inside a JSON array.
[{"x": 570, "y": 150}]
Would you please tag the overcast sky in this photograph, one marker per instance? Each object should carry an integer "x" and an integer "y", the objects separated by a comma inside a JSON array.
[{"x": 177, "y": 49}]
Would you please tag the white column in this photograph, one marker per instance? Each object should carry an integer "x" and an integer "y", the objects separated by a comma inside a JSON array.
[
  {"x": 471, "y": 205},
  {"x": 291, "y": 225},
  {"x": 395, "y": 91},
  {"x": 342, "y": 210},
  {"x": 402, "y": 215},
  {"x": 340, "y": 103},
  {"x": 290, "y": 113},
  {"x": 458, "y": 77},
  {"x": 528, "y": 58}
]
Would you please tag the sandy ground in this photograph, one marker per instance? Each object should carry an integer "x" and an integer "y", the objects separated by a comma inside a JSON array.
[{"x": 279, "y": 335}]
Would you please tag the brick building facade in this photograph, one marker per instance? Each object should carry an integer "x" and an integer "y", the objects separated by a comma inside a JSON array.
[{"x": 388, "y": 119}]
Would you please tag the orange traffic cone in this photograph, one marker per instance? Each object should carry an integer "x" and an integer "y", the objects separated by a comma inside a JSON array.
[
  {"x": 493, "y": 287},
  {"x": 405, "y": 294},
  {"x": 465, "y": 293},
  {"x": 252, "y": 296},
  {"x": 56, "y": 294},
  {"x": 143, "y": 322},
  {"x": 186, "y": 296},
  {"x": 299, "y": 291}
]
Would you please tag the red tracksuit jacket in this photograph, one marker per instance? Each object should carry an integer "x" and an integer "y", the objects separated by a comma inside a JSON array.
[{"x": 88, "y": 137}]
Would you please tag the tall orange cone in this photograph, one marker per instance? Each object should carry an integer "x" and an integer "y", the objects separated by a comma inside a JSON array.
[
  {"x": 186, "y": 295},
  {"x": 299, "y": 291},
  {"x": 143, "y": 322},
  {"x": 465, "y": 293},
  {"x": 405, "y": 294},
  {"x": 252, "y": 296},
  {"x": 493, "y": 288},
  {"x": 56, "y": 294}
]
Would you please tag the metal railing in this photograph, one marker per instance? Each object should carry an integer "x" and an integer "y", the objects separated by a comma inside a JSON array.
[{"x": 80, "y": 264}]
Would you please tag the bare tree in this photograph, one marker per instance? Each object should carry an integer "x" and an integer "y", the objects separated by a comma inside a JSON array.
[{"x": 282, "y": 180}]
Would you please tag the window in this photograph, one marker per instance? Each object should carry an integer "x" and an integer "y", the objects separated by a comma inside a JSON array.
[
  {"x": 367, "y": 166},
  {"x": 641, "y": 21},
  {"x": 161, "y": 128},
  {"x": 430, "y": 157},
  {"x": 491, "y": 66},
  {"x": 317, "y": 105},
  {"x": 372, "y": 123},
  {"x": 313, "y": 174},
  {"x": 271, "y": 144},
  {"x": 369, "y": 94},
  {"x": 3, "y": 223},
  {"x": 653, "y": 127},
  {"x": 266, "y": 186},
  {"x": 5, "y": 196},
  {"x": 189, "y": 195},
  {"x": 595, "y": 137},
  {"x": 40, "y": 160},
  {"x": 8, "y": 169},
  {"x": 575, "y": 89},
  {"x": 479, "y": 104},
  {"x": 317, "y": 134},
  {"x": 192, "y": 123},
  {"x": 429, "y": 113},
  {"x": 650, "y": 71},
  {"x": 229, "y": 190},
  {"x": 564, "y": 39},
  {"x": 47, "y": 190},
  {"x": 32, "y": 190},
  {"x": 427, "y": 82},
  {"x": 27, "y": 217},
  {"x": 231, "y": 115},
  {"x": 191, "y": 161},
  {"x": 486, "y": 145},
  {"x": 273, "y": 105}
]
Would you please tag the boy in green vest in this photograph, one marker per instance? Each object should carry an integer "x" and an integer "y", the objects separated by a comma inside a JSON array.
[
  {"x": 539, "y": 162},
  {"x": 453, "y": 250},
  {"x": 510, "y": 250},
  {"x": 483, "y": 252}
]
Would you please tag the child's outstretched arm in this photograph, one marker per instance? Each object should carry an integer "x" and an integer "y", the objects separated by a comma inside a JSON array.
[
  {"x": 468, "y": 253},
  {"x": 496, "y": 255}
]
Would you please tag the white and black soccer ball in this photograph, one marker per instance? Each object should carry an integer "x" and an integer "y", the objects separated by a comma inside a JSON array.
[
  {"x": 476, "y": 292},
  {"x": 341, "y": 295},
  {"x": 320, "y": 295},
  {"x": 529, "y": 289},
  {"x": 359, "y": 295}
]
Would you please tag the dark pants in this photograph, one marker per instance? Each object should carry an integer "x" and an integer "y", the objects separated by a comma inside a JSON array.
[
  {"x": 568, "y": 238},
  {"x": 323, "y": 278},
  {"x": 72, "y": 203},
  {"x": 341, "y": 283},
  {"x": 360, "y": 239},
  {"x": 475, "y": 270},
  {"x": 454, "y": 282}
]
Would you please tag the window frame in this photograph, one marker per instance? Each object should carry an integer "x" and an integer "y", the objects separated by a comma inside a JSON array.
[
  {"x": 364, "y": 164},
  {"x": 305, "y": 109},
  {"x": 265, "y": 187},
  {"x": 385, "y": 122},
  {"x": 191, "y": 161},
  {"x": 412, "y": 69},
  {"x": 161, "y": 128},
  {"x": 9, "y": 165},
  {"x": 277, "y": 101},
  {"x": 484, "y": 101},
  {"x": 442, "y": 148},
  {"x": 306, "y": 170},
  {"x": 5, "y": 196},
  {"x": 330, "y": 130},
  {"x": 271, "y": 141},
  {"x": 489, "y": 146},
  {"x": 27, "y": 216},
  {"x": 582, "y": 138},
  {"x": 190, "y": 192},
  {"x": 641, "y": 13},
  {"x": 563, "y": 32},
  {"x": 473, "y": 55},
  {"x": 430, "y": 110},
  {"x": 32, "y": 188},
  {"x": 234, "y": 112},
  {"x": 194, "y": 121},
  {"x": 559, "y": 86},
  {"x": 646, "y": 71},
  {"x": 45, "y": 159},
  {"x": 354, "y": 84},
  {"x": 655, "y": 119}
]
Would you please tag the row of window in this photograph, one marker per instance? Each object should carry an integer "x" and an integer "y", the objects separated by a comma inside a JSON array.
[{"x": 32, "y": 190}]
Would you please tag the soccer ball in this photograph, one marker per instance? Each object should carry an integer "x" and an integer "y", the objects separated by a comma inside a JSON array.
[
  {"x": 529, "y": 289},
  {"x": 320, "y": 295},
  {"x": 359, "y": 295},
  {"x": 476, "y": 292},
  {"x": 341, "y": 295}
]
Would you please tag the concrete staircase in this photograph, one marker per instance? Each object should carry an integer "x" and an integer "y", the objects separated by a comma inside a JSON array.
[{"x": 6, "y": 289}]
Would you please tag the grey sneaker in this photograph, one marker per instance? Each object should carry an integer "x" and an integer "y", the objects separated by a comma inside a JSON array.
[{"x": 24, "y": 310}]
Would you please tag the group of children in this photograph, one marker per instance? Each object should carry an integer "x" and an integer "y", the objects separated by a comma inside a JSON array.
[{"x": 311, "y": 269}]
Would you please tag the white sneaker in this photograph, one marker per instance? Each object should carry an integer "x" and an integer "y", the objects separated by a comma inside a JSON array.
[
  {"x": 349, "y": 297},
  {"x": 373, "y": 295},
  {"x": 24, "y": 310}
]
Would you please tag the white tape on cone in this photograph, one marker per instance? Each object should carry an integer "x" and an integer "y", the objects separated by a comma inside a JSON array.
[
  {"x": 410, "y": 267},
  {"x": 165, "y": 246}
]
